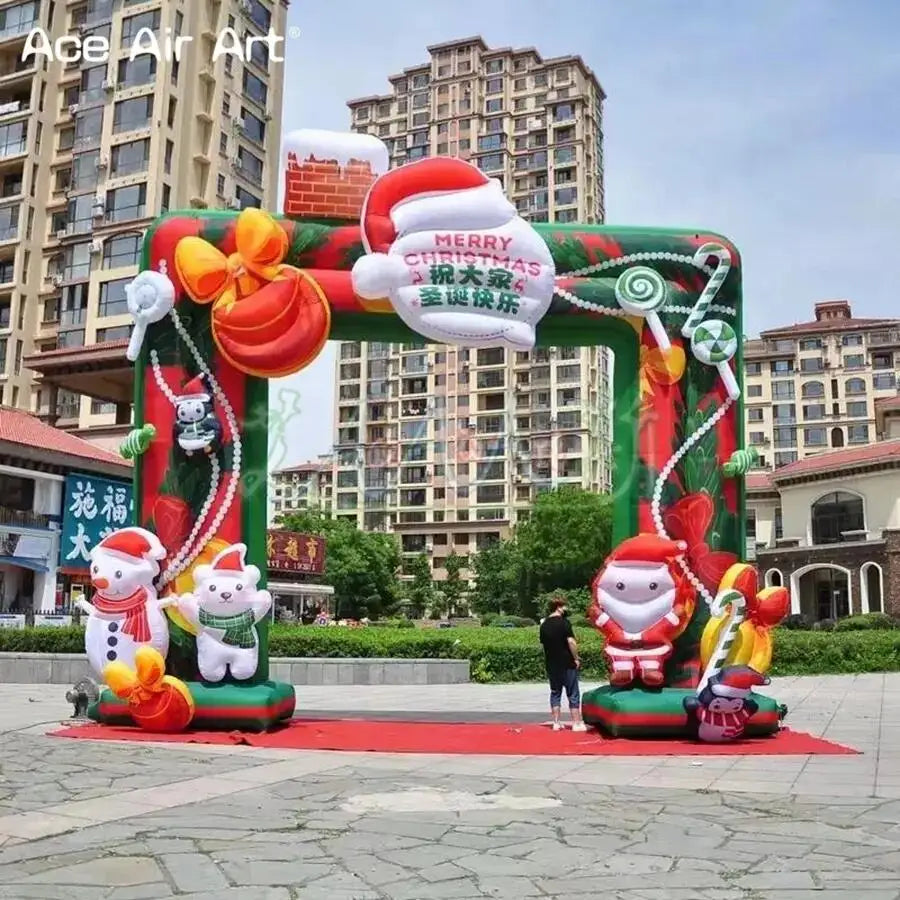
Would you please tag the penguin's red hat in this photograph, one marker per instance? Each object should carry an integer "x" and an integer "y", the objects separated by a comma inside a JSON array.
[
  {"x": 195, "y": 389},
  {"x": 737, "y": 681},
  {"x": 646, "y": 550}
]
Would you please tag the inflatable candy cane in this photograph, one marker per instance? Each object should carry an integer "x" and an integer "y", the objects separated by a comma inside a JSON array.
[
  {"x": 736, "y": 605},
  {"x": 704, "y": 301}
]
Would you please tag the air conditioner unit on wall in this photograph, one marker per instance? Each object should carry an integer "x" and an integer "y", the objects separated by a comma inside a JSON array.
[
  {"x": 234, "y": 203},
  {"x": 61, "y": 233},
  {"x": 96, "y": 246}
]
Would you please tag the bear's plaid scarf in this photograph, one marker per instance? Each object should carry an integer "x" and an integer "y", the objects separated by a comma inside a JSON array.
[{"x": 238, "y": 629}]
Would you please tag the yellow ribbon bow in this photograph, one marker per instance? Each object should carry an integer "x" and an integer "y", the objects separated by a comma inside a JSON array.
[
  {"x": 208, "y": 275},
  {"x": 658, "y": 366},
  {"x": 137, "y": 685}
]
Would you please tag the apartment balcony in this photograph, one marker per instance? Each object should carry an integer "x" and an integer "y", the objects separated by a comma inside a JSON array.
[
  {"x": 99, "y": 371},
  {"x": 23, "y": 519},
  {"x": 9, "y": 232},
  {"x": 13, "y": 71},
  {"x": 884, "y": 338}
]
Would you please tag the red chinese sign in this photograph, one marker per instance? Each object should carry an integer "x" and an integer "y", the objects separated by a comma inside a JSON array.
[{"x": 290, "y": 551}]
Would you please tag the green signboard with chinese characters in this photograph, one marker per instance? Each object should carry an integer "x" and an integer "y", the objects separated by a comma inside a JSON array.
[{"x": 93, "y": 508}]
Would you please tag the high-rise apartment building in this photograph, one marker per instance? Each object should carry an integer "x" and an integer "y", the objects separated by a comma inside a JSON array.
[
  {"x": 91, "y": 152},
  {"x": 448, "y": 447},
  {"x": 813, "y": 386}
]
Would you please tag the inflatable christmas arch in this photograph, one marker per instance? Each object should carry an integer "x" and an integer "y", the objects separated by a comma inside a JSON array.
[{"x": 432, "y": 250}]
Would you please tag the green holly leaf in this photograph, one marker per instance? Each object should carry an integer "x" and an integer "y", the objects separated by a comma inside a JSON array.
[{"x": 306, "y": 238}]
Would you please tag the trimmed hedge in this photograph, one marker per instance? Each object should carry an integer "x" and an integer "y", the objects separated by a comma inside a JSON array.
[{"x": 514, "y": 654}]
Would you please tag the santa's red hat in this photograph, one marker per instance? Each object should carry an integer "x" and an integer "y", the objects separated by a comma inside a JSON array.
[
  {"x": 646, "y": 549},
  {"x": 134, "y": 543},
  {"x": 386, "y": 211},
  {"x": 231, "y": 559},
  {"x": 195, "y": 389},
  {"x": 736, "y": 681}
]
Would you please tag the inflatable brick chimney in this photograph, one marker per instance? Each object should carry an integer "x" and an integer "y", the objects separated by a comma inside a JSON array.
[{"x": 327, "y": 175}]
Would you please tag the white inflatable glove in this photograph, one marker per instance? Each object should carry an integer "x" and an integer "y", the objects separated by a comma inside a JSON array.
[
  {"x": 150, "y": 298},
  {"x": 377, "y": 275}
]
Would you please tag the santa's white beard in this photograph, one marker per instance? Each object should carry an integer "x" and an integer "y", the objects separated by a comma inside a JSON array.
[{"x": 633, "y": 618}]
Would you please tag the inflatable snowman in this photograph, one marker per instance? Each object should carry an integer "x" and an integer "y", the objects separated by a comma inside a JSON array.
[
  {"x": 225, "y": 607},
  {"x": 124, "y": 612}
]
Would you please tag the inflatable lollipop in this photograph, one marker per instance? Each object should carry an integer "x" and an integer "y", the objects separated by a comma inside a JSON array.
[
  {"x": 715, "y": 343},
  {"x": 641, "y": 291},
  {"x": 149, "y": 298}
]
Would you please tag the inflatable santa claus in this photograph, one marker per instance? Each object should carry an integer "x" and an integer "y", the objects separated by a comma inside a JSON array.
[
  {"x": 642, "y": 601},
  {"x": 456, "y": 261},
  {"x": 124, "y": 612}
]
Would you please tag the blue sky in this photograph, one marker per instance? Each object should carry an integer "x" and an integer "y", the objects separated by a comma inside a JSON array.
[{"x": 775, "y": 123}]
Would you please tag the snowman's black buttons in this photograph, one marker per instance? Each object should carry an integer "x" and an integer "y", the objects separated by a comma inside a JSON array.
[
  {"x": 112, "y": 641},
  {"x": 113, "y": 626},
  {"x": 111, "y": 655}
]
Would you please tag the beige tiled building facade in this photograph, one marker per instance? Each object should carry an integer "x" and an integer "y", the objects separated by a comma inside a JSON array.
[
  {"x": 448, "y": 447},
  {"x": 813, "y": 386},
  {"x": 306, "y": 486},
  {"x": 91, "y": 152}
]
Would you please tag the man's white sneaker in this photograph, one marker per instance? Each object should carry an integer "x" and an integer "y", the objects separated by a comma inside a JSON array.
[
  {"x": 558, "y": 726},
  {"x": 579, "y": 726}
]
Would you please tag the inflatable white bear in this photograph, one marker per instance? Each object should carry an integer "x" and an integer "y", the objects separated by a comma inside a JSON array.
[{"x": 225, "y": 607}]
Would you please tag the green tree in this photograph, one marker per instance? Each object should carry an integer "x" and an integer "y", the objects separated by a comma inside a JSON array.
[
  {"x": 498, "y": 575},
  {"x": 565, "y": 540},
  {"x": 361, "y": 566},
  {"x": 453, "y": 587},
  {"x": 420, "y": 591}
]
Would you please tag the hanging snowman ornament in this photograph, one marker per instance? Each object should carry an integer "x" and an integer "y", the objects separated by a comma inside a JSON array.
[{"x": 197, "y": 429}]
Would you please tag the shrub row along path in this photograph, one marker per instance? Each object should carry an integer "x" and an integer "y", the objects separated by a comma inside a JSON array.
[{"x": 125, "y": 822}]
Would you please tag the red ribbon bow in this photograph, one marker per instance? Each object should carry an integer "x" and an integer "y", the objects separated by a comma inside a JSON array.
[{"x": 688, "y": 520}]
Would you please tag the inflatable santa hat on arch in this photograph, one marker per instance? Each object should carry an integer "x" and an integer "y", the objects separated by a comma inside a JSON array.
[{"x": 426, "y": 215}]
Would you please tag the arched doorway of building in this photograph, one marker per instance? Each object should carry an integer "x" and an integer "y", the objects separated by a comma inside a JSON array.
[
  {"x": 774, "y": 578},
  {"x": 822, "y": 591},
  {"x": 871, "y": 579},
  {"x": 837, "y": 437}
]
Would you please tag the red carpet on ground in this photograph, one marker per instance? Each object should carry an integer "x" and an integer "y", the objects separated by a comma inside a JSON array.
[{"x": 494, "y": 739}]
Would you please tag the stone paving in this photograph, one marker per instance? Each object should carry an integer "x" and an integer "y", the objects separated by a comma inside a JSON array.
[{"x": 125, "y": 822}]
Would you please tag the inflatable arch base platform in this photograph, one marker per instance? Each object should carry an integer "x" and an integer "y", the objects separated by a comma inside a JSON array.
[
  {"x": 642, "y": 713},
  {"x": 227, "y": 706}
]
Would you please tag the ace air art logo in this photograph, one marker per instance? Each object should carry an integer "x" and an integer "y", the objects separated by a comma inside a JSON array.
[{"x": 168, "y": 46}]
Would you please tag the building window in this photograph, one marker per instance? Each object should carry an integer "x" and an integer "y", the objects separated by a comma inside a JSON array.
[
  {"x": 131, "y": 114},
  {"x": 136, "y": 72},
  {"x": 784, "y": 413},
  {"x": 815, "y": 437},
  {"x": 812, "y": 364},
  {"x": 750, "y": 519},
  {"x": 858, "y": 434},
  {"x": 753, "y": 368},
  {"x": 814, "y": 411},
  {"x": 836, "y": 514},
  {"x": 781, "y": 367},
  {"x": 857, "y": 409},
  {"x": 854, "y": 386},
  {"x": 495, "y": 104},
  {"x": 884, "y": 381},
  {"x": 785, "y": 458},
  {"x": 122, "y": 250},
  {"x": 130, "y": 158},
  {"x": 854, "y": 361},
  {"x": 112, "y": 297},
  {"x": 246, "y": 199},
  {"x": 119, "y": 333},
  {"x": 779, "y": 524},
  {"x": 783, "y": 390},
  {"x": 255, "y": 88},
  {"x": 852, "y": 340},
  {"x": 813, "y": 389},
  {"x": 785, "y": 436},
  {"x": 494, "y": 85},
  {"x": 755, "y": 415},
  {"x": 133, "y": 24},
  {"x": 811, "y": 344},
  {"x": 254, "y": 128},
  {"x": 126, "y": 203},
  {"x": 250, "y": 166}
]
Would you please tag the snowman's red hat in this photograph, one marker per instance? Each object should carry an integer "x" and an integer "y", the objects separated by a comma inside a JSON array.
[
  {"x": 441, "y": 192},
  {"x": 195, "y": 389},
  {"x": 134, "y": 543},
  {"x": 230, "y": 559},
  {"x": 736, "y": 681},
  {"x": 646, "y": 550}
]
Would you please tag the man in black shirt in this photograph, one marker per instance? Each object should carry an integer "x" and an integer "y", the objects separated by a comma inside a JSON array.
[{"x": 563, "y": 663}]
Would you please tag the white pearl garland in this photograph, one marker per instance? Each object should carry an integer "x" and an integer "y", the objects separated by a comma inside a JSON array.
[
  {"x": 663, "y": 477},
  {"x": 624, "y": 261},
  {"x": 183, "y": 559}
]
